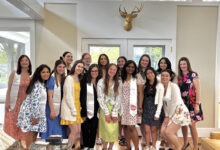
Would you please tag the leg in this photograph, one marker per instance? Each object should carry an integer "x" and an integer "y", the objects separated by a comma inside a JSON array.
[
  {"x": 143, "y": 133},
  {"x": 74, "y": 132},
  {"x": 185, "y": 135},
  {"x": 134, "y": 136},
  {"x": 170, "y": 133},
  {"x": 194, "y": 134},
  {"x": 30, "y": 138},
  {"x": 105, "y": 144},
  {"x": 85, "y": 133},
  {"x": 127, "y": 136},
  {"x": 110, "y": 145},
  {"x": 154, "y": 135},
  {"x": 93, "y": 129},
  {"x": 147, "y": 134}
]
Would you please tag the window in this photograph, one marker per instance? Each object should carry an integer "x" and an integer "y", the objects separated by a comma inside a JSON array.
[{"x": 110, "y": 50}]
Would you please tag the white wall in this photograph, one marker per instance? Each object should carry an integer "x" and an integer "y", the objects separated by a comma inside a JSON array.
[{"x": 102, "y": 20}]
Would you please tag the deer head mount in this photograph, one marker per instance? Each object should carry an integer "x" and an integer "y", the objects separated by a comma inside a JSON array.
[{"x": 129, "y": 17}]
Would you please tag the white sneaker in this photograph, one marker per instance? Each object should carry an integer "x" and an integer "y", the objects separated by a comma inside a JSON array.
[{"x": 147, "y": 148}]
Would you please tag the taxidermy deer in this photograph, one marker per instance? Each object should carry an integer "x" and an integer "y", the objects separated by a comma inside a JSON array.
[{"x": 129, "y": 17}]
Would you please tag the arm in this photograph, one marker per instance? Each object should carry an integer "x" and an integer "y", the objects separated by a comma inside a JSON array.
[
  {"x": 50, "y": 86},
  {"x": 160, "y": 92},
  {"x": 117, "y": 103},
  {"x": 197, "y": 89},
  {"x": 101, "y": 96},
  {"x": 10, "y": 81},
  {"x": 140, "y": 98},
  {"x": 69, "y": 93}
]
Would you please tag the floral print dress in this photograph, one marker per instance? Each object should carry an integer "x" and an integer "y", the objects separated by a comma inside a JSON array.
[{"x": 188, "y": 93}]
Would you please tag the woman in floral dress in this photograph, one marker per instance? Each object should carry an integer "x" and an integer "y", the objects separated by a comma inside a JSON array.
[
  {"x": 188, "y": 82},
  {"x": 16, "y": 93}
]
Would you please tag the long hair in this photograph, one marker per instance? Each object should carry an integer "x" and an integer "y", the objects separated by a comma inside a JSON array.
[
  {"x": 124, "y": 71},
  {"x": 147, "y": 84},
  {"x": 83, "y": 55},
  {"x": 19, "y": 68},
  {"x": 167, "y": 62},
  {"x": 57, "y": 63},
  {"x": 180, "y": 73},
  {"x": 74, "y": 67},
  {"x": 115, "y": 79},
  {"x": 36, "y": 77},
  {"x": 140, "y": 67},
  {"x": 100, "y": 65},
  {"x": 89, "y": 77},
  {"x": 172, "y": 74}
]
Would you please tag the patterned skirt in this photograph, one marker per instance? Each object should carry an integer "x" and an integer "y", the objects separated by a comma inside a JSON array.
[{"x": 181, "y": 116}]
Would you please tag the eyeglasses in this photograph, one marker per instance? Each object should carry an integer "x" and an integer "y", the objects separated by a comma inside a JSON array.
[{"x": 94, "y": 71}]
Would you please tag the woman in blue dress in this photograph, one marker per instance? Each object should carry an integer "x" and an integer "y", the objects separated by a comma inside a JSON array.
[
  {"x": 54, "y": 87},
  {"x": 32, "y": 118}
]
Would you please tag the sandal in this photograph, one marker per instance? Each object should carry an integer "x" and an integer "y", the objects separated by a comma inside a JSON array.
[
  {"x": 98, "y": 141},
  {"x": 122, "y": 142},
  {"x": 187, "y": 145}
]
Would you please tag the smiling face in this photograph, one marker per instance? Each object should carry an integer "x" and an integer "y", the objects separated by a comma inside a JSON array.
[
  {"x": 121, "y": 62},
  {"x": 165, "y": 78},
  {"x": 163, "y": 64},
  {"x": 130, "y": 68},
  {"x": 68, "y": 58},
  {"x": 183, "y": 66},
  {"x": 79, "y": 68},
  {"x": 45, "y": 74},
  {"x": 24, "y": 62},
  {"x": 150, "y": 75},
  {"x": 94, "y": 72},
  {"x": 112, "y": 71},
  {"x": 103, "y": 60},
  {"x": 144, "y": 62},
  {"x": 61, "y": 69}
]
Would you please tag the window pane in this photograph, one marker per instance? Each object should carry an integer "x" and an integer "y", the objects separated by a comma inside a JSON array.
[
  {"x": 12, "y": 45},
  {"x": 155, "y": 53},
  {"x": 111, "y": 51}
]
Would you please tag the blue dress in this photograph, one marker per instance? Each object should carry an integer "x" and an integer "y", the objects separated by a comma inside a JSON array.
[{"x": 53, "y": 126}]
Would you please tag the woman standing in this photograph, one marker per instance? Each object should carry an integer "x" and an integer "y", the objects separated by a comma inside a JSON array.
[
  {"x": 176, "y": 113},
  {"x": 188, "y": 82},
  {"x": 152, "y": 104},
  {"x": 109, "y": 89},
  {"x": 90, "y": 106},
  {"x": 144, "y": 62},
  {"x": 70, "y": 107},
  {"x": 54, "y": 90},
  {"x": 32, "y": 116},
  {"x": 120, "y": 63},
  {"x": 129, "y": 102},
  {"x": 68, "y": 59},
  {"x": 16, "y": 93},
  {"x": 103, "y": 63}
]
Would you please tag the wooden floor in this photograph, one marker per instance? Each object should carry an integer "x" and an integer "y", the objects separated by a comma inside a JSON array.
[{"x": 118, "y": 147}]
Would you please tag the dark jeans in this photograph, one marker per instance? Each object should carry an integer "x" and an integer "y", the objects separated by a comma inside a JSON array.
[{"x": 89, "y": 128}]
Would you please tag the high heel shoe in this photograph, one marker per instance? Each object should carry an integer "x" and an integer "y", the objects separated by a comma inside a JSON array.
[{"x": 187, "y": 145}]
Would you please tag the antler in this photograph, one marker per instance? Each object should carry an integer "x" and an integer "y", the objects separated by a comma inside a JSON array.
[
  {"x": 122, "y": 13},
  {"x": 138, "y": 9}
]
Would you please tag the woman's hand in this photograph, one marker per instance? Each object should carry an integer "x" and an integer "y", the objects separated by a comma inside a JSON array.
[
  {"x": 114, "y": 119},
  {"x": 7, "y": 106},
  {"x": 155, "y": 118},
  {"x": 35, "y": 121},
  {"x": 140, "y": 111},
  {"x": 108, "y": 118},
  {"x": 196, "y": 109},
  {"x": 166, "y": 121},
  {"x": 52, "y": 115}
]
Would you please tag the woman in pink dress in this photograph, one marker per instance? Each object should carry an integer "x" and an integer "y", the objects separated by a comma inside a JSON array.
[{"x": 16, "y": 93}]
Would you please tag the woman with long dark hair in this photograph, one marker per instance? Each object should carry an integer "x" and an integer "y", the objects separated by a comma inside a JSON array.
[
  {"x": 109, "y": 89},
  {"x": 129, "y": 103},
  {"x": 16, "y": 93},
  {"x": 90, "y": 106},
  {"x": 151, "y": 105},
  {"x": 32, "y": 115},
  {"x": 164, "y": 63},
  {"x": 54, "y": 87},
  {"x": 188, "y": 82},
  {"x": 68, "y": 59},
  {"x": 176, "y": 113},
  {"x": 70, "y": 107},
  {"x": 103, "y": 63}
]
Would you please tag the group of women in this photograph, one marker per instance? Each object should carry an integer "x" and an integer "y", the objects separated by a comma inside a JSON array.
[{"x": 102, "y": 100}]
